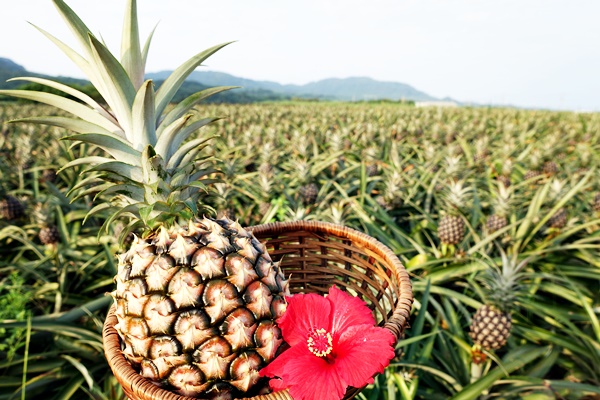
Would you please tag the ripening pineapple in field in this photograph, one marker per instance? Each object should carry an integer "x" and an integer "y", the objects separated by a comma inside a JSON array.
[
  {"x": 482, "y": 150},
  {"x": 501, "y": 202},
  {"x": 534, "y": 173},
  {"x": 197, "y": 299},
  {"x": 492, "y": 322},
  {"x": 550, "y": 168},
  {"x": 596, "y": 203},
  {"x": 11, "y": 208},
  {"x": 558, "y": 220},
  {"x": 451, "y": 227},
  {"x": 44, "y": 217}
]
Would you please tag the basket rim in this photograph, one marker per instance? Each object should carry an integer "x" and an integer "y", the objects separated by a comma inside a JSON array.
[{"x": 396, "y": 323}]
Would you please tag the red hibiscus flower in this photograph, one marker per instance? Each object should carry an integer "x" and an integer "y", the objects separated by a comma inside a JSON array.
[{"x": 334, "y": 343}]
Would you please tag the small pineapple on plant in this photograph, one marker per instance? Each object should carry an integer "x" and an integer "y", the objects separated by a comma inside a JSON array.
[
  {"x": 596, "y": 203},
  {"x": 196, "y": 299},
  {"x": 534, "y": 173},
  {"x": 558, "y": 220},
  {"x": 451, "y": 226},
  {"x": 11, "y": 208},
  {"x": 500, "y": 201},
  {"x": 502, "y": 286},
  {"x": 44, "y": 216}
]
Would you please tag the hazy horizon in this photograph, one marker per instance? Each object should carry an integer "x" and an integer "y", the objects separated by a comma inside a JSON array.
[{"x": 534, "y": 54}]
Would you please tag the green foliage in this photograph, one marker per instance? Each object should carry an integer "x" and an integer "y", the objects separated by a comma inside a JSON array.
[
  {"x": 14, "y": 298},
  {"x": 379, "y": 168},
  {"x": 88, "y": 89}
]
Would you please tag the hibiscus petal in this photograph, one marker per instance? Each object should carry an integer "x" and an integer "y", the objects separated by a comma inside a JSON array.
[
  {"x": 347, "y": 311},
  {"x": 306, "y": 376},
  {"x": 363, "y": 351},
  {"x": 304, "y": 313}
]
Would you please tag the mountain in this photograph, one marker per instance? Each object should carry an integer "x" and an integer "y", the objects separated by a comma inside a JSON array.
[
  {"x": 347, "y": 89},
  {"x": 10, "y": 69}
]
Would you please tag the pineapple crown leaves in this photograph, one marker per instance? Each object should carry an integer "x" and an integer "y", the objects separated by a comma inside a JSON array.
[
  {"x": 153, "y": 160},
  {"x": 503, "y": 284},
  {"x": 501, "y": 198},
  {"x": 456, "y": 197}
]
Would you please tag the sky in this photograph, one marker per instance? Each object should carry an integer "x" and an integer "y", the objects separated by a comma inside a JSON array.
[{"x": 526, "y": 53}]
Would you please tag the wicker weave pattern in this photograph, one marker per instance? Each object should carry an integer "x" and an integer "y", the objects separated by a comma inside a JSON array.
[{"x": 315, "y": 255}]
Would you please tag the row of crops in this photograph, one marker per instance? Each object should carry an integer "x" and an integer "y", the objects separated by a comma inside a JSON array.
[{"x": 494, "y": 212}]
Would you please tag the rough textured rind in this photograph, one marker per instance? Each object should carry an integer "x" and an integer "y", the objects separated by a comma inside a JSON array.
[
  {"x": 197, "y": 307},
  {"x": 490, "y": 328},
  {"x": 451, "y": 229}
]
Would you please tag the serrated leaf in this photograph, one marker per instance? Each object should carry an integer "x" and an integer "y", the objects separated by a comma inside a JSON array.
[
  {"x": 118, "y": 148},
  {"x": 151, "y": 166},
  {"x": 147, "y": 47},
  {"x": 187, "y": 131},
  {"x": 87, "y": 161},
  {"x": 164, "y": 141},
  {"x": 186, "y": 153},
  {"x": 129, "y": 190},
  {"x": 70, "y": 106},
  {"x": 120, "y": 90},
  {"x": 121, "y": 169},
  {"x": 144, "y": 124},
  {"x": 131, "y": 56},
  {"x": 75, "y": 93},
  {"x": 184, "y": 106},
  {"x": 145, "y": 212},
  {"x": 171, "y": 85},
  {"x": 72, "y": 124},
  {"x": 81, "y": 32}
]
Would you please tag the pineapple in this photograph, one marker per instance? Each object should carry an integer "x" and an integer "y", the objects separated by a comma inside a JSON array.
[
  {"x": 492, "y": 322},
  {"x": 44, "y": 216},
  {"x": 550, "y": 168},
  {"x": 534, "y": 174},
  {"x": 482, "y": 151},
  {"x": 309, "y": 193},
  {"x": 392, "y": 194},
  {"x": 558, "y": 220},
  {"x": 11, "y": 208},
  {"x": 501, "y": 202},
  {"x": 451, "y": 227},
  {"x": 196, "y": 299},
  {"x": 596, "y": 203}
]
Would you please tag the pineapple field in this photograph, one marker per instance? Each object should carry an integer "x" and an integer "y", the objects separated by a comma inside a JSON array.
[{"x": 495, "y": 214}]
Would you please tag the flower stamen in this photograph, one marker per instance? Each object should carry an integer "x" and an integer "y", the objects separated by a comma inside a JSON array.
[{"x": 320, "y": 342}]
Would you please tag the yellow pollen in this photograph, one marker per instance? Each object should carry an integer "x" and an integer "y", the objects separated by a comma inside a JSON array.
[{"x": 320, "y": 342}]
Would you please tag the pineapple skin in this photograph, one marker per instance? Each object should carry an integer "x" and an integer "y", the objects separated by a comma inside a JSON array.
[
  {"x": 596, "y": 203},
  {"x": 49, "y": 235},
  {"x": 309, "y": 193},
  {"x": 451, "y": 229},
  {"x": 559, "y": 219},
  {"x": 490, "y": 328},
  {"x": 197, "y": 307},
  {"x": 11, "y": 208},
  {"x": 496, "y": 222}
]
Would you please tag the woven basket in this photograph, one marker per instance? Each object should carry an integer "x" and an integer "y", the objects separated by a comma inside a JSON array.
[{"x": 315, "y": 255}]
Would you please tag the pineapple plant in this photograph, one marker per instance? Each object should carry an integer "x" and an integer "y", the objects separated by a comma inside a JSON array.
[
  {"x": 534, "y": 173},
  {"x": 196, "y": 299},
  {"x": 558, "y": 220},
  {"x": 501, "y": 202},
  {"x": 44, "y": 217},
  {"x": 596, "y": 203},
  {"x": 492, "y": 322},
  {"x": 451, "y": 226},
  {"x": 11, "y": 208}
]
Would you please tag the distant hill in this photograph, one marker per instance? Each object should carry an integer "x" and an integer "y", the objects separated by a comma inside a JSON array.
[{"x": 347, "y": 89}]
